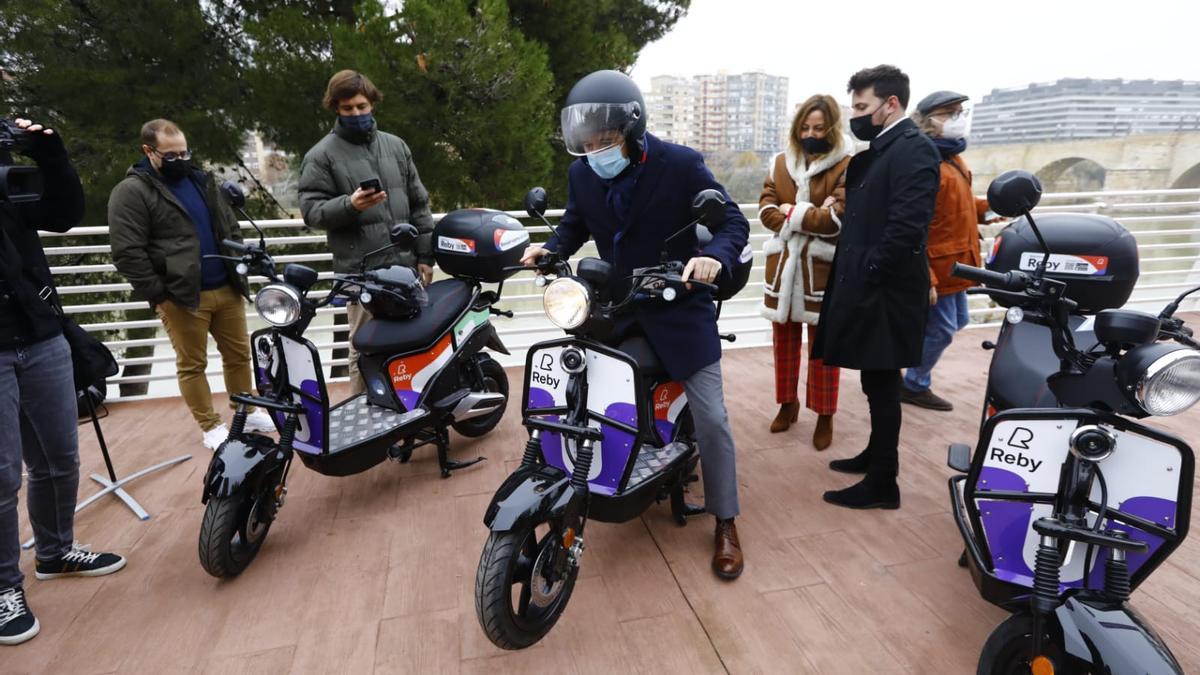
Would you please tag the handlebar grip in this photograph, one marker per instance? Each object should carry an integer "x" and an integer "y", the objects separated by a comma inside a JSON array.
[
  {"x": 235, "y": 246},
  {"x": 1009, "y": 281}
]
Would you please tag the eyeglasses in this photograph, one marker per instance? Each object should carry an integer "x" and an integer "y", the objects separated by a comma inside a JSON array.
[
  {"x": 948, "y": 116},
  {"x": 172, "y": 156}
]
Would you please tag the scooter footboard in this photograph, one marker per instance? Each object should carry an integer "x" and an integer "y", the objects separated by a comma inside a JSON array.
[
  {"x": 528, "y": 496},
  {"x": 1112, "y": 637}
]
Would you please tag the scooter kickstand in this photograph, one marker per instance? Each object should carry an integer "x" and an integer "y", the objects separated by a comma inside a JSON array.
[{"x": 444, "y": 461}]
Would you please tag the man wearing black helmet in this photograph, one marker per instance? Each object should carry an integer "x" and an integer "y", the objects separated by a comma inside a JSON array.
[{"x": 630, "y": 191}]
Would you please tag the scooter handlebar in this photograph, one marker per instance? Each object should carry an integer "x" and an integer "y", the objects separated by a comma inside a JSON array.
[
  {"x": 235, "y": 246},
  {"x": 1008, "y": 281}
]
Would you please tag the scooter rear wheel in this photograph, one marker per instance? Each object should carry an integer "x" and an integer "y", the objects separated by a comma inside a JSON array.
[
  {"x": 231, "y": 534},
  {"x": 495, "y": 381},
  {"x": 1007, "y": 650},
  {"x": 515, "y": 603}
]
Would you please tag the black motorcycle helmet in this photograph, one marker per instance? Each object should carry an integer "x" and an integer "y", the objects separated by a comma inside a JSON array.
[{"x": 604, "y": 101}]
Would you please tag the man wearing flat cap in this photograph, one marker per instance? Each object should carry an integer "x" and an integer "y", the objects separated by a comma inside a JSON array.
[{"x": 953, "y": 238}]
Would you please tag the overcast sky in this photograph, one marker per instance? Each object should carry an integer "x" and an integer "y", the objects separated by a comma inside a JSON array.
[{"x": 964, "y": 45}]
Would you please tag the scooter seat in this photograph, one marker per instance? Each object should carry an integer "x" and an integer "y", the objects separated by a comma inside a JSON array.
[
  {"x": 1024, "y": 359},
  {"x": 638, "y": 348},
  {"x": 447, "y": 300}
]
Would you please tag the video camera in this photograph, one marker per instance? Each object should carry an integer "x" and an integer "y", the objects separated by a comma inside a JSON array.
[{"x": 17, "y": 183}]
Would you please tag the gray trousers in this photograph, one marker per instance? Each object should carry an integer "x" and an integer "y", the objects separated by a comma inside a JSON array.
[
  {"x": 38, "y": 413},
  {"x": 718, "y": 457}
]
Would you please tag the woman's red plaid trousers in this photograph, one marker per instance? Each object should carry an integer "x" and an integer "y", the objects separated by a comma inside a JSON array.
[{"x": 822, "y": 386}]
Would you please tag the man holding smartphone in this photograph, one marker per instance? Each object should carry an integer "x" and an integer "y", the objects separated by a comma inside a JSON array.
[{"x": 357, "y": 182}]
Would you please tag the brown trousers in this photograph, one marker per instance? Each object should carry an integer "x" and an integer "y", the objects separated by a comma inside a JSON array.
[{"x": 222, "y": 314}]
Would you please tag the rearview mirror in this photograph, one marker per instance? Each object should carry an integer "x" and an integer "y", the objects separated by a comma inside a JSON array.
[
  {"x": 708, "y": 206},
  {"x": 1014, "y": 193},
  {"x": 233, "y": 193},
  {"x": 403, "y": 234},
  {"x": 535, "y": 202}
]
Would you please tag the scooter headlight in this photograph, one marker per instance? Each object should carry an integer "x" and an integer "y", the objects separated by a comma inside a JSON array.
[
  {"x": 1163, "y": 379},
  {"x": 278, "y": 305},
  {"x": 567, "y": 303}
]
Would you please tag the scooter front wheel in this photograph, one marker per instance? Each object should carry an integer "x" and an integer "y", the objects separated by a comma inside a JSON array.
[
  {"x": 232, "y": 532},
  {"x": 1008, "y": 650},
  {"x": 518, "y": 594}
]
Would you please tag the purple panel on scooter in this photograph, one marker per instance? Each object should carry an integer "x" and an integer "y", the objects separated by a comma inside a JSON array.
[
  {"x": 408, "y": 397},
  {"x": 551, "y": 442},
  {"x": 315, "y": 417},
  {"x": 1006, "y": 524},
  {"x": 615, "y": 449},
  {"x": 1153, "y": 509}
]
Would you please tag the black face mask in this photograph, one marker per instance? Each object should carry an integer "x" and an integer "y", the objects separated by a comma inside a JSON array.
[
  {"x": 816, "y": 146},
  {"x": 863, "y": 128},
  {"x": 175, "y": 171}
]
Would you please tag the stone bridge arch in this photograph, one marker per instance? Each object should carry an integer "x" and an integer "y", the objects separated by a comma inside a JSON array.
[
  {"x": 1189, "y": 179},
  {"x": 1072, "y": 174}
]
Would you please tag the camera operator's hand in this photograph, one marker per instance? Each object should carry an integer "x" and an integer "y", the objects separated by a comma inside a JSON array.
[{"x": 31, "y": 127}]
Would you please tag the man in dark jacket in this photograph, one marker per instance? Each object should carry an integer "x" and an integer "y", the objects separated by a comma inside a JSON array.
[
  {"x": 359, "y": 219},
  {"x": 163, "y": 218},
  {"x": 37, "y": 386},
  {"x": 873, "y": 317},
  {"x": 629, "y": 192}
]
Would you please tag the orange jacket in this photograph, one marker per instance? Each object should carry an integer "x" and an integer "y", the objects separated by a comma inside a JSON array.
[{"x": 954, "y": 232}]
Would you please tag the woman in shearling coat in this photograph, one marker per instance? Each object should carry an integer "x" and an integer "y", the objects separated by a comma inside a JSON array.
[{"x": 802, "y": 200}]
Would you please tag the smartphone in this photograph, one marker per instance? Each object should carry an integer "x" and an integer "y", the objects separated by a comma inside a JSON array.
[{"x": 371, "y": 185}]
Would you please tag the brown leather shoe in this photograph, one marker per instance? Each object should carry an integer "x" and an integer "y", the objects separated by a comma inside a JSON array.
[
  {"x": 788, "y": 414},
  {"x": 727, "y": 560},
  {"x": 823, "y": 434}
]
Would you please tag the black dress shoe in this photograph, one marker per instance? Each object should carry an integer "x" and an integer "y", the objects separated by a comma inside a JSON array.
[
  {"x": 857, "y": 464},
  {"x": 869, "y": 493},
  {"x": 925, "y": 399}
]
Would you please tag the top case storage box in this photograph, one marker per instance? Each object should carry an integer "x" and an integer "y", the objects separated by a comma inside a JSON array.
[
  {"x": 1094, "y": 255},
  {"x": 478, "y": 244}
]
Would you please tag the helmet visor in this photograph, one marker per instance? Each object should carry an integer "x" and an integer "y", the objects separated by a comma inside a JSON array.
[{"x": 592, "y": 127}]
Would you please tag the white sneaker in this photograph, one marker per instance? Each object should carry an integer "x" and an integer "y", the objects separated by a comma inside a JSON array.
[
  {"x": 213, "y": 438},
  {"x": 260, "y": 421}
]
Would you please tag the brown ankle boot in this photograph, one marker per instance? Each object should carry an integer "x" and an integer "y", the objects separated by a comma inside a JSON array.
[
  {"x": 788, "y": 414},
  {"x": 823, "y": 434},
  {"x": 727, "y": 560}
]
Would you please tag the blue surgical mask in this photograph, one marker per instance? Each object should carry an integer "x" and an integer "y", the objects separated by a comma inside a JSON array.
[
  {"x": 361, "y": 123},
  {"x": 608, "y": 164}
]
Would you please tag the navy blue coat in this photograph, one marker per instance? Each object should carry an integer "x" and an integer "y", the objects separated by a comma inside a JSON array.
[{"x": 683, "y": 333}]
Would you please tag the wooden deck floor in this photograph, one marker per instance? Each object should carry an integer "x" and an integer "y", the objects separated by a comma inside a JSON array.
[{"x": 375, "y": 572}]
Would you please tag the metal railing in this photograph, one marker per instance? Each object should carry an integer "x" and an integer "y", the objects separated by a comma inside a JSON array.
[{"x": 1166, "y": 224}]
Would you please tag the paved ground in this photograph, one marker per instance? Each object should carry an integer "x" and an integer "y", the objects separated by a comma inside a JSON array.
[{"x": 375, "y": 572}]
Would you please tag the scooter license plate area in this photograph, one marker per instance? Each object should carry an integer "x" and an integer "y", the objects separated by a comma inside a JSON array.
[
  {"x": 611, "y": 393},
  {"x": 1025, "y": 457},
  {"x": 306, "y": 384}
]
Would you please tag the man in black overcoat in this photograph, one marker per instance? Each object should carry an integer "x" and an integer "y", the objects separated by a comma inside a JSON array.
[{"x": 875, "y": 307}]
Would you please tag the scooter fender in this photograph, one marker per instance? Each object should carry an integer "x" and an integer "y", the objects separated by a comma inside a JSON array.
[
  {"x": 492, "y": 339},
  {"x": 528, "y": 496},
  {"x": 1113, "y": 638},
  {"x": 240, "y": 462}
]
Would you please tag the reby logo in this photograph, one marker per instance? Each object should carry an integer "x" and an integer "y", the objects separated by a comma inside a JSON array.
[
  {"x": 456, "y": 245},
  {"x": 664, "y": 397},
  {"x": 507, "y": 239},
  {"x": 400, "y": 374}
]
